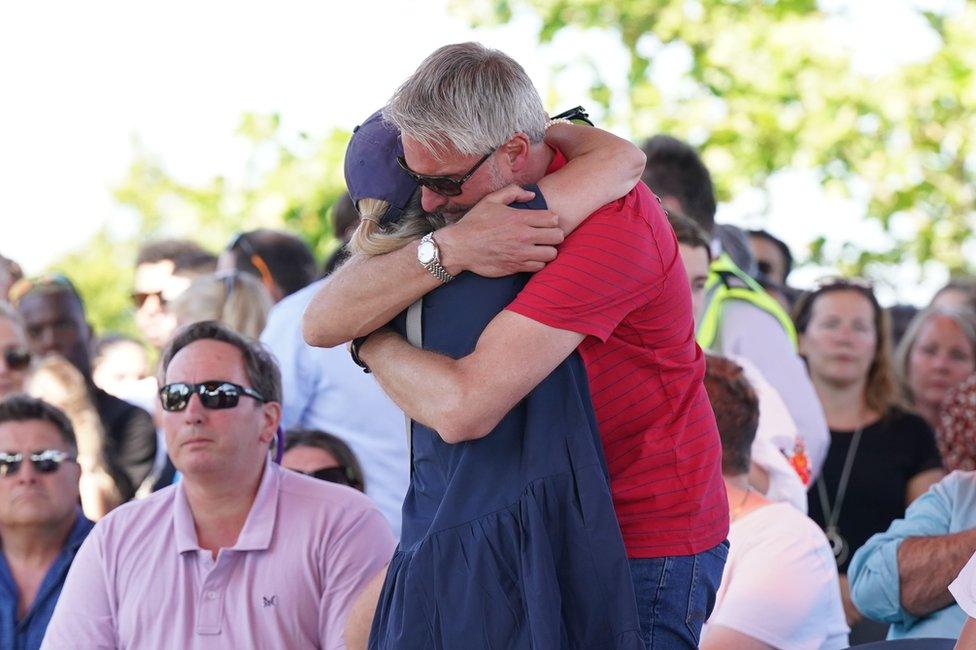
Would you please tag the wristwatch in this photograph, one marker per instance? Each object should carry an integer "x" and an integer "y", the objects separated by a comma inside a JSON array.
[{"x": 429, "y": 256}]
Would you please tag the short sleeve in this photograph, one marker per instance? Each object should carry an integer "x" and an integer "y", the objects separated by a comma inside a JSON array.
[
  {"x": 351, "y": 562},
  {"x": 783, "y": 592},
  {"x": 963, "y": 588},
  {"x": 85, "y": 614},
  {"x": 608, "y": 267},
  {"x": 926, "y": 451}
]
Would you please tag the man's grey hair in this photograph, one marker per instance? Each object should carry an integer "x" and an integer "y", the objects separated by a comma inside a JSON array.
[{"x": 468, "y": 98}]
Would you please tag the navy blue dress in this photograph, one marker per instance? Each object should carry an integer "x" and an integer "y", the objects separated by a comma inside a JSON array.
[{"x": 510, "y": 541}]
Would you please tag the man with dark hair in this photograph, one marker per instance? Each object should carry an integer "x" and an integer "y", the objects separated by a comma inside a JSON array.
[
  {"x": 283, "y": 262},
  {"x": 739, "y": 318},
  {"x": 775, "y": 550},
  {"x": 54, "y": 317},
  {"x": 773, "y": 257},
  {"x": 164, "y": 270},
  {"x": 41, "y": 524},
  {"x": 240, "y": 553}
]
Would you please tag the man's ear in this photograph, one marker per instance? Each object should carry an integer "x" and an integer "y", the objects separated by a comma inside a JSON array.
[
  {"x": 271, "y": 414},
  {"x": 515, "y": 152}
]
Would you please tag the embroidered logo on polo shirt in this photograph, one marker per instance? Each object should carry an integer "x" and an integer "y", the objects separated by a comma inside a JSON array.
[{"x": 270, "y": 601}]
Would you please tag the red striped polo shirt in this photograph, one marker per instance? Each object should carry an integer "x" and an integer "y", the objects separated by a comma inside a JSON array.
[{"x": 619, "y": 280}]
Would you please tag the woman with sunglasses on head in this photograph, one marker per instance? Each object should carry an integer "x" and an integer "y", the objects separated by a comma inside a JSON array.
[
  {"x": 15, "y": 356},
  {"x": 936, "y": 354},
  {"x": 323, "y": 456},
  {"x": 881, "y": 457},
  {"x": 525, "y": 513}
]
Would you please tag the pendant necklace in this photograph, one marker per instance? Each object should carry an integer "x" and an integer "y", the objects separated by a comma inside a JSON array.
[{"x": 831, "y": 516}]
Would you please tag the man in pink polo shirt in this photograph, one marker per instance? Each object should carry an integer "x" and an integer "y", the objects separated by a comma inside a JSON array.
[{"x": 241, "y": 553}]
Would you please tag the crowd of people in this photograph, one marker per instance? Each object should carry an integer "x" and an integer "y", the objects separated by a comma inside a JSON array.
[{"x": 539, "y": 398}]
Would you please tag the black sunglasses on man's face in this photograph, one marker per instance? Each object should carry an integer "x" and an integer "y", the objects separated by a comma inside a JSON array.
[
  {"x": 214, "y": 394},
  {"x": 17, "y": 358},
  {"x": 443, "y": 185},
  {"x": 45, "y": 461}
]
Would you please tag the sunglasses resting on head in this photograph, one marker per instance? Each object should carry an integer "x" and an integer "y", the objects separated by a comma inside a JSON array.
[{"x": 45, "y": 461}]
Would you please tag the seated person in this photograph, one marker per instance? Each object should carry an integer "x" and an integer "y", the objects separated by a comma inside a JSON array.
[
  {"x": 780, "y": 587},
  {"x": 323, "y": 456},
  {"x": 41, "y": 525},
  {"x": 902, "y": 576},
  {"x": 243, "y": 554}
]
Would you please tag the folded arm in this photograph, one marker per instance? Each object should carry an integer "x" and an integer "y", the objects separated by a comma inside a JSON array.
[
  {"x": 491, "y": 240},
  {"x": 464, "y": 399}
]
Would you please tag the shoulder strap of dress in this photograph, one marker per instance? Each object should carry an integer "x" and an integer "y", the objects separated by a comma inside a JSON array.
[{"x": 415, "y": 336}]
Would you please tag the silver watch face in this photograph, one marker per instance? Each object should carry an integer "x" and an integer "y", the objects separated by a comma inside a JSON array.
[{"x": 426, "y": 252}]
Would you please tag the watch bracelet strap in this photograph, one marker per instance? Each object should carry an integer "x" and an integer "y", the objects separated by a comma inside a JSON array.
[{"x": 438, "y": 271}]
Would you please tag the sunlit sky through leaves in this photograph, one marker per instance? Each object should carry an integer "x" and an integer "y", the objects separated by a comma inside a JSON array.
[{"x": 80, "y": 82}]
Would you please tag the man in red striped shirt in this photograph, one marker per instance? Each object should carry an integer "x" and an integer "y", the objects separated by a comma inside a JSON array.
[{"x": 617, "y": 292}]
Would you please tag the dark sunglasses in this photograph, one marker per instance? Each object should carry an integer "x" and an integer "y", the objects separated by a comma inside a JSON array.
[
  {"x": 213, "y": 394},
  {"x": 340, "y": 475},
  {"x": 17, "y": 358},
  {"x": 443, "y": 185},
  {"x": 45, "y": 462},
  {"x": 139, "y": 298}
]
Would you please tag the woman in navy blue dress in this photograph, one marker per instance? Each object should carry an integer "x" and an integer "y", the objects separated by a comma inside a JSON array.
[{"x": 511, "y": 540}]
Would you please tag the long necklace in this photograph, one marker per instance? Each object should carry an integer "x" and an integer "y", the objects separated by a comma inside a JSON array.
[{"x": 831, "y": 516}]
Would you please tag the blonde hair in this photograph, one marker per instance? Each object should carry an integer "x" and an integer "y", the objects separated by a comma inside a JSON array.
[
  {"x": 372, "y": 238},
  {"x": 58, "y": 382},
  {"x": 964, "y": 319},
  {"x": 236, "y": 299}
]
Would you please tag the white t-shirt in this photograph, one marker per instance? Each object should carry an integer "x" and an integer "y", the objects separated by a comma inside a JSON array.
[
  {"x": 780, "y": 583},
  {"x": 963, "y": 588}
]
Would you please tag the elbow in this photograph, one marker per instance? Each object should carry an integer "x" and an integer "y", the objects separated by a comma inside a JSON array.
[
  {"x": 316, "y": 332},
  {"x": 634, "y": 161},
  {"x": 460, "y": 422}
]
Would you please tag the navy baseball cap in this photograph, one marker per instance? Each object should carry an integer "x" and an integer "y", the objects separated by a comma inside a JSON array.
[{"x": 371, "y": 167}]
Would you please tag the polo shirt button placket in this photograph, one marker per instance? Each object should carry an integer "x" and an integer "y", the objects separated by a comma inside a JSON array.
[{"x": 208, "y": 610}]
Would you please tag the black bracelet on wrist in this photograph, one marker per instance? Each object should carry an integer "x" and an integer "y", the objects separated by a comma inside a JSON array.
[{"x": 354, "y": 352}]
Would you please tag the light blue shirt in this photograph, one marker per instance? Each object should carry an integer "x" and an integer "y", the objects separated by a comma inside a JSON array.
[
  {"x": 948, "y": 507},
  {"x": 323, "y": 389}
]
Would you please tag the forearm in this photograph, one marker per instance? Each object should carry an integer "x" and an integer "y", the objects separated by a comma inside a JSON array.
[
  {"x": 429, "y": 387},
  {"x": 926, "y": 566},
  {"x": 601, "y": 167},
  {"x": 364, "y": 294}
]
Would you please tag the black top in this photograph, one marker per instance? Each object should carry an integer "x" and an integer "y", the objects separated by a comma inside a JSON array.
[
  {"x": 892, "y": 451},
  {"x": 130, "y": 444}
]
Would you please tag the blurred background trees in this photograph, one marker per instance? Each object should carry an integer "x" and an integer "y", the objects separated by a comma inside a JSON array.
[{"x": 763, "y": 88}]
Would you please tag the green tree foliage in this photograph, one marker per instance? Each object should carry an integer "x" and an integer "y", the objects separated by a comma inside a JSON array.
[
  {"x": 770, "y": 87},
  {"x": 290, "y": 181}
]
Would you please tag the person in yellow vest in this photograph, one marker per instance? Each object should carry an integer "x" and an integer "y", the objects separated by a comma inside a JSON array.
[{"x": 738, "y": 317}]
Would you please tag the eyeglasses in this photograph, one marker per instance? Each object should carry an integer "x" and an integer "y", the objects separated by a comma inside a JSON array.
[
  {"x": 244, "y": 244},
  {"x": 214, "y": 394},
  {"x": 17, "y": 358},
  {"x": 44, "y": 462},
  {"x": 341, "y": 475},
  {"x": 443, "y": 185},
  {"x": 49, "y": 283}
]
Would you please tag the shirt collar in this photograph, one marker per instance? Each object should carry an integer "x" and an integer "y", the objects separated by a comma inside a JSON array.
[{"x": 258, "y": 527}]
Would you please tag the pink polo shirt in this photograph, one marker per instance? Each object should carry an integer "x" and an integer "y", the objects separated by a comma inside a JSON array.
[{"x": 141, "y": 580}]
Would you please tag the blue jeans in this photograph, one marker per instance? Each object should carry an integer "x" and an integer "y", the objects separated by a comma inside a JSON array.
[{"x": 675, "y": 596}]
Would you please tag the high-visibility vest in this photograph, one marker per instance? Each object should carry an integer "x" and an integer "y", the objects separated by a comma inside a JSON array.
[{"x": 726, "y": 281}]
